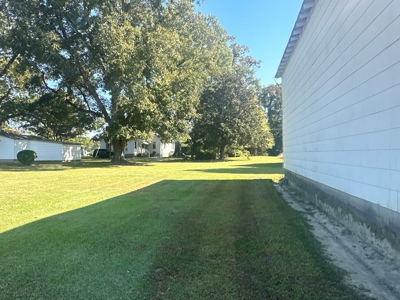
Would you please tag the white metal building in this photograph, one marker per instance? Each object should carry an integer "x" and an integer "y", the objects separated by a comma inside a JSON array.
[
  {"x": 341, "y": 105},
  {"x": 46, "y": 150}
]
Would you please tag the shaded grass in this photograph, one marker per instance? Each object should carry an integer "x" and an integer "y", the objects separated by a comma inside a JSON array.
[
  {"x": 252, "y": 246},
  {"x": 249, "y": 168},
  {"x": 157, "y": 231}
]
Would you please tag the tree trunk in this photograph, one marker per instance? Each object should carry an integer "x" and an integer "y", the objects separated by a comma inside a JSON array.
[
  {"x": 118, "y": 149},
  {"x": 193, "y": 150},
  {"x": 222, "y": 152},
  {"x": 178, "y": 149}
]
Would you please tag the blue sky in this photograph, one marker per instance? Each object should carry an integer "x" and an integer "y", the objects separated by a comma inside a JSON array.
[{"x": 262, "y": 25}]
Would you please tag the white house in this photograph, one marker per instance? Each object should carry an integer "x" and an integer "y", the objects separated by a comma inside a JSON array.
[
  {"x": 46, "y": 150},
  {"x": 136, "y": 147},
  {"x": 341, "y": 109}
]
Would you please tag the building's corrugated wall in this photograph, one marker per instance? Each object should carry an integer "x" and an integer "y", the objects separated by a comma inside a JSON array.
[
  {"x": 46, "y": 151},
  {"x": 71, "y": 152},
  {"x": 20, "y": 145},
  {"x": 6, "y": 148},
  {"x": 341, "y": 100}
]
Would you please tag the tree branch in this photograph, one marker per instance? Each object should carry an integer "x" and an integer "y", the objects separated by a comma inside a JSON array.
[
  {"x": 89, "y": 86},
  {"x": 84, "y": 98},
  {"x": 46, "y": 85},
  {"x": 93, "y": 92},
  {"x": 8, "y": 65},
  {"x": 76, "y": 107},
  {"x": 2, "y": 98}
]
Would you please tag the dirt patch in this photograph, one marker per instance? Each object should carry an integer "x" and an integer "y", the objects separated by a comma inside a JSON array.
[{"x": 369, "y": 270}]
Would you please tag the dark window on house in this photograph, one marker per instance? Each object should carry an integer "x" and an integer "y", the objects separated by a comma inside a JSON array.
[
  {"x": 154, "y": 145},
  {"x": 135, "y": 144}
]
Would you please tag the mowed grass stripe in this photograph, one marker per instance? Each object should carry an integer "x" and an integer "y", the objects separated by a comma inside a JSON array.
[
  {"x": 241, "y": 241},
  {"x": 162, "y": 231},
  {"x": 198, "y": 259}
]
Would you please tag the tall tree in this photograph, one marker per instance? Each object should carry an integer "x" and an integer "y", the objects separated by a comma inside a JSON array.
[
  {"x": 139, "y": 64},
  {"x": 271, "y": 99},
  {"x": 230, "y": 112}
]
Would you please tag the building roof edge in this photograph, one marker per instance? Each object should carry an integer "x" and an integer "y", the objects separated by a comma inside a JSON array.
[{"x": 304, "y": 14}]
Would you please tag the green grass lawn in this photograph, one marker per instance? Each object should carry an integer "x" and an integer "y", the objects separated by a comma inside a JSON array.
[{"x": 157, "y": 230}]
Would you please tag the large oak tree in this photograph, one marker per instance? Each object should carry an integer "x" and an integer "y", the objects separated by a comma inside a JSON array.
[{"x": 139, "y": 64}]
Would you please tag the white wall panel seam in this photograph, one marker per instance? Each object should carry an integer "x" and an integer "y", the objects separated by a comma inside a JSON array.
[
  {"x": 343, "y": 65},
  {"x": 301, "y": 113}
]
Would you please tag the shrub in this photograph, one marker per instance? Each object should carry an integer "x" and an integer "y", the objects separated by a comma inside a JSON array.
[
  {"x": 26, "y": 157},
  {"x": 238, "y": 152},
  {"x": 245, "y": 155},
  {"x": 206, "y": 154},
  {"x": 233, "y": 152}
]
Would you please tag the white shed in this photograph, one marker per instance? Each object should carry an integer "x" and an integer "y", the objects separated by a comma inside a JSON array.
[
  {"x": 46, "y": 150},
  {"x": 341, "y": 109}
]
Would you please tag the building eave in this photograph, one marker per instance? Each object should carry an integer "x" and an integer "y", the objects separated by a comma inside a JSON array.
[
  {"x": 23, "y": 137},
  {"x": 304, "y": 14}
]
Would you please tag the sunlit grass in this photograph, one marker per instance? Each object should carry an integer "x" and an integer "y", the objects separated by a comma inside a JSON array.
[{"x": 33, "y": 192}]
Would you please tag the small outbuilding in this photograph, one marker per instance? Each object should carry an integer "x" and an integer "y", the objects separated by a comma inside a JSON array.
[{"x": 46, "y": 150}]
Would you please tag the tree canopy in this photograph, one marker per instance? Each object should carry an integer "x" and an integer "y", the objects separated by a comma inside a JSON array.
[
  {"x": 271, "y": 99},
  {"x": 229, "y": 112},
  {"x": 139, "y": 65},
  {"x": 55, "y": 117}
]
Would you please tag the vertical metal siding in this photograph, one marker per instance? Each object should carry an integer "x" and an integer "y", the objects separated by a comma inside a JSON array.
[{"x": 340, "y": 100}]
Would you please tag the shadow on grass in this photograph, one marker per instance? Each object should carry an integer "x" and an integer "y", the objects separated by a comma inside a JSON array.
[
  {"x": 187, "y": 239},
  {"x": 266, "y": 168},
  {"x": 60, "y": 166},
  {"x": 89, "y": 163},
  {"x": 97, "y": 252}
]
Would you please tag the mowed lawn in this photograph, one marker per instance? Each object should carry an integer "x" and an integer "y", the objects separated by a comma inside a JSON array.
[{"x": 157, "y": 230}]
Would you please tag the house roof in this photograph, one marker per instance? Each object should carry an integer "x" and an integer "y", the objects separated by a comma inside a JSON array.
[
  {"x": 298, "y": 28},
  {"x": 14, "y": 136}
]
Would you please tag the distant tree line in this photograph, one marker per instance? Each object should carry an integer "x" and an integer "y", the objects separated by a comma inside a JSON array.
[{"x": 271, "y": 99}]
